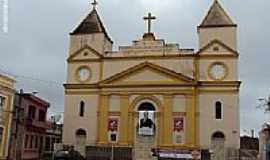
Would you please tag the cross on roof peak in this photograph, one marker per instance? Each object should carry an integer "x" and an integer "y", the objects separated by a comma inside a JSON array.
[
  {"x": 94, "y": 3},
  {"x": 149, "y": 18}
]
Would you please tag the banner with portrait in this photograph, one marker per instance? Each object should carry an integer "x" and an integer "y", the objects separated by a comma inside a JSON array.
[
  {"x": 113, "y": 125},
  {"x": 178, "y": 124},
  {"x": 179, "y": 130},
  {"x": 146, "y": 123}
]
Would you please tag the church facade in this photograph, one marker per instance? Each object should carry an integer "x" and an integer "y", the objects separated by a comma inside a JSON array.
[{"x": 153, "y": 98}]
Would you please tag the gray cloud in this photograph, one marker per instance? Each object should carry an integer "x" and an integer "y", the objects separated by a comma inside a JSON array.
[{"x": 37, "y": 42}]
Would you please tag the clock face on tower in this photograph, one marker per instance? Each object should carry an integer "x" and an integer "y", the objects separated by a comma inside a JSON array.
[
  {"x": 83, "y": 74},
  {"x": 218, "y": 71}
]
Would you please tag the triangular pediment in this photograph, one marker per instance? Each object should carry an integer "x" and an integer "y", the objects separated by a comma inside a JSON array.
[
  {"x": 147, "y": 73},
  {"x": 85, "y": 53},
  {"x": 216, "y": 47}
]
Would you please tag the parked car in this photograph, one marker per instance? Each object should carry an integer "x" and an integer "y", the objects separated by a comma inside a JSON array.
[{"x": 68, "y": 155}]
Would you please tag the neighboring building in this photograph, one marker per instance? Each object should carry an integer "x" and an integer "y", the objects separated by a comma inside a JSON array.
[
  {"x": 53, "y": 136},
  {"x": 33, "y": 136},
  {"x": 249, "y": 148},
  {"x": 249, "y": 143},
  {"x": 30, "y": 127},
  {"x": 264, "y": 138},
  {"x": 191, "y": 98},
  {"x": 7, "y": 92}
]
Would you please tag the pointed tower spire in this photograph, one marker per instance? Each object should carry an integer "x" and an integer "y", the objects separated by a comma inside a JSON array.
[
  {"x": 91, "y": 24},
  {"x": 217, "y": 25},
  {"x": 216, "y": 17}
]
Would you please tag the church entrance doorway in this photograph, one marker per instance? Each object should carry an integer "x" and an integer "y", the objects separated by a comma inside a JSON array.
[
  {"x": 217, "y": 145},
  {"x": 80, "y": 137},
  {"x": 145, "y": 136}
]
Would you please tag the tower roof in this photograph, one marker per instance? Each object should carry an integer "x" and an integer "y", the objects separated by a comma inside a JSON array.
[
  {"x": 91, "y": 24},
  {"x": 217, "y": 17}
]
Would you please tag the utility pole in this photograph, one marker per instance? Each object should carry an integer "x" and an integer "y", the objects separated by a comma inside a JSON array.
[
  {"x": 19, "y": 132},
  {"x": 112, "y": 156}
]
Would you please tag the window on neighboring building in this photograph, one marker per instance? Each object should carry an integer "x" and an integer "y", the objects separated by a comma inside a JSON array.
[
  {"x": 2, "y": 102},
  {"x": 53, "y": 142},
  {"x": 47, "y": 144},
  {"x": 41, "y": 115},
  {"x": 1, "y": 136},
  {"x": 218, "y": 109},
  {"x": 41, "y": 143},
  {"x": 26, "y": 141},
  {"x": 82, "y": 108},
  {"x": 32, "y": 112},
  {"x": 36, "y": 143},
  {"x": 31, "y": 141}
]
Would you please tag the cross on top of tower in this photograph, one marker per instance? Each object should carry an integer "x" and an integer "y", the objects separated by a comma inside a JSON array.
[
  {"x": 94, "y": 4},
  {"x": 149, "y": 19}
]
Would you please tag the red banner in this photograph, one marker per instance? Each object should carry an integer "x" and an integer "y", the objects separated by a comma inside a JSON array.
[
  {"x": 178, "y": 124},
  {"x": 113, "y": 125}
]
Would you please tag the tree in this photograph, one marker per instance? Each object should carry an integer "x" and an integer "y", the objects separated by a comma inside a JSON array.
[{"x": 264, "y": 103}]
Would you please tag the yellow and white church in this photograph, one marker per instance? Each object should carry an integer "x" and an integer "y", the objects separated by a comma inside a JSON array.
[{"x": 192, "y": 96}]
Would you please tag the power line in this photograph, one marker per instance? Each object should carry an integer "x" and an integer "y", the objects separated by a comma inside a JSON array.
[{"x": 17, "y": 76}]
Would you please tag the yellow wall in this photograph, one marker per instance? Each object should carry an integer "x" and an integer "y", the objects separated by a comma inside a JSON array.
[
  {"x": 7, "y": 91},
  {"x": 164, "y": 119}
]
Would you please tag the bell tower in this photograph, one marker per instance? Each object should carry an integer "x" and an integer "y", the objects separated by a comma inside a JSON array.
[
  {"x": 217, "y": 25},
  {"x": 217, "y": 65},
  {"x": 91, "y": 32}
]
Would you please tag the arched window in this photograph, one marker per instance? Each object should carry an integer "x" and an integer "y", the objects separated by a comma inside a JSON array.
[
  {"x": 146, "y": 107},
  {"x": 82, "y": 108},
  {"x": 218, "y": 110}
]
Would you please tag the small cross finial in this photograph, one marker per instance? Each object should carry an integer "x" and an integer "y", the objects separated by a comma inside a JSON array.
[
  {"x": 149, "y": 18},
  {"x": 94, "y": 4}
]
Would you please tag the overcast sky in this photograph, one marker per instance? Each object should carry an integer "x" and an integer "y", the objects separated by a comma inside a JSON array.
[{"x": 36, "y": 45}]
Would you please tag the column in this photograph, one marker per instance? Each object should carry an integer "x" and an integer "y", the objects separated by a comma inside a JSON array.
[
  {"x": 130, "y": 127},
  {"x": 160, "y": 127},
  {"x": 124, "y": 119},
  {"x": 103, "y": 120},
  {"x": 167, "y": 120},
  {"x": 191, "y": 119}
]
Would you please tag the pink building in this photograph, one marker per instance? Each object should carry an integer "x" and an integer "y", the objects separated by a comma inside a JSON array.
[
  {"x": 29, "y": 127},
  {"x": 36, "y": 126}
]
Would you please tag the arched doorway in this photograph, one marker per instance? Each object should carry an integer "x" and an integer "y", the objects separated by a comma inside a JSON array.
[
  {"x": 80, "y": 137},
  {"x": 217, "y": 145},
  {"x": 145, "y": 119}
]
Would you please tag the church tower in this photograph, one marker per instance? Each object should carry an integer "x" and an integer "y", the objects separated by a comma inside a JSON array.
[
  {"x": 217, "y": 65},
  {"x": 91, "y": 33},
  {"x": 217, "y": 25}
]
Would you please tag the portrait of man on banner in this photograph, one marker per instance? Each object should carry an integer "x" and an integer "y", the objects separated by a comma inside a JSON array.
[
  {"x": 113, "y": 125},
  {"x": 146, "y": 123},
  {"x": 178, "y": 124}
]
